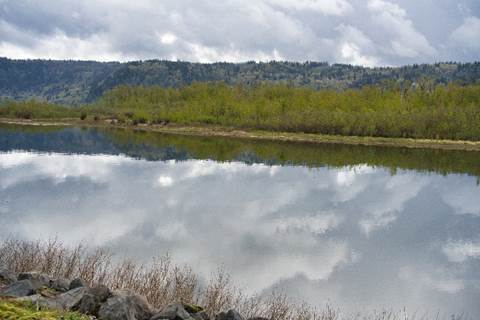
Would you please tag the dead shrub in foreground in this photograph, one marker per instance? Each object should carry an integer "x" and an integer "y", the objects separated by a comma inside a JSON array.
[{"x": 162, "y": 282}]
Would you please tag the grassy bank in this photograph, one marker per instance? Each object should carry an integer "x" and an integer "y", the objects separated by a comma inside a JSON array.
[
  {"x": 15, "y": 310},
  {"x": 405, "y": 110}
]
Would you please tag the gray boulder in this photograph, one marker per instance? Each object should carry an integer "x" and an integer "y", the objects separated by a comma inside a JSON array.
[
  {"x": 70, "y": 299},
  {"x": 37, "y": 279},
  {"x": 20, "y": 288},
  {"x": 125, "y": 305},
  {"x": 230, "y": 315},
  {"x": 61, "y": 285},
  {"x": 93, "y": 299},
  {"x": 101, "y": 292},
  {"x": 202, "y": 315},
  {"x": 174, "y": 311},
  {"x": 7, "y": 277},
  {"x": 64, "y": 301},
  {"x": 77, "y": 283},
  {"x": 41, "y": 301}
]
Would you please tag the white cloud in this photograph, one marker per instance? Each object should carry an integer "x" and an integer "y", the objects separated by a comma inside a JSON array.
[
  {"x": 468, "y": 34},
  {"x": 356, "y": 48},
  {"x": 405, "y": 40},
  {"x": 318, "y": 224},
  {"x": 61, "y": 46},
  {"x": 57, "y": 167},
  {"x": 398, "y": 190},
  {"x": 438, "y": 279},
  {"x": 374, "y": 32},
  {"x": 168, "y": 38},
  {"x": 165, "y": 181},
  {"x": 459, "y": 251},
  {"x": 350, "y": 181},
  {"x": 463, "y": 197},
  {"x": 332, "y": 7}
]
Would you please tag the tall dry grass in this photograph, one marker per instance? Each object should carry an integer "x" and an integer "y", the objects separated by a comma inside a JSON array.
[{"x": 163, "y": 282}]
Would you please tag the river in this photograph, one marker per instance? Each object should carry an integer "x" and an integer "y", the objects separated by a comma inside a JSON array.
[{"x": 358, "y": 227}]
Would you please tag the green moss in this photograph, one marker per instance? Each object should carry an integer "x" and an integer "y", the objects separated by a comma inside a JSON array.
[
  {"x": 47, "y": 292},
  {"x": 14, "y": 310},
  {"x": 192, "y": 308}
]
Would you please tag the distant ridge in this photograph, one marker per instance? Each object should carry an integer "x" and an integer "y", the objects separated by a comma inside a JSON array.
[{"x": 78, "y": 82}]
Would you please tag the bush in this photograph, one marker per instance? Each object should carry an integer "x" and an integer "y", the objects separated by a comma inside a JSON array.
[
  {"x": 140, "y": 117},
  {"x": 24, "y": 114},
  {"x": 441, "y": 112}
]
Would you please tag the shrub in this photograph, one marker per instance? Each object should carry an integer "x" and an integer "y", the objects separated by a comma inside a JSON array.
[
  {"x": 161, "y": 281},
  {"x": 24, "y": 114}
]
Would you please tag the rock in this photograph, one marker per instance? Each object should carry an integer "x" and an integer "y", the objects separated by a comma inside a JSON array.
[
  {"x": 101, "y": 292},
  {"x": 77, "y": 283},
  {"x": 20, "y": 288},
  {"x": 37, "y": 279},
  {"x": 47, "y": 292},
  {"x": 88, "y": 305},
  {"x": 7, "y": 277},
  {"x": 41, "y": 301},
  {"x": 201, "y": 315},
  {"x": 70, "y": 299},
  {"x": 230, "y": 315},
  {"x": 125, "y": 305},
  {"x": 174, "y": 311},
  {"x": 64, "y": 301},
  {"x": 192, "y": 308},
  {"x": 61, "y": 285},
  {"x": 93, "y": 299},
  {"x": 258, "y": 318}
]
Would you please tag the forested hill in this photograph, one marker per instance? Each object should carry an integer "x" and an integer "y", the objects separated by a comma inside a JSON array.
[{"x": 77, "y": 82}]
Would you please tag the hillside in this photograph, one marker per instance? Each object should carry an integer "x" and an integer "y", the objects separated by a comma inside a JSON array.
[{"x": 78, "y": 82}]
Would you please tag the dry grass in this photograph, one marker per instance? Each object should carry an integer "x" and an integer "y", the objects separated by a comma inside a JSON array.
[{"x": 163, "y": 282}]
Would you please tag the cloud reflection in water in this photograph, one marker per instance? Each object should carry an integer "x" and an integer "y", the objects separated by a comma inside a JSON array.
[{"x": 357, "y": 236}]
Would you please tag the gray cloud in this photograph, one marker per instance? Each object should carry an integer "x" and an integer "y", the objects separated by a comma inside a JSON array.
[{"x": 373, "y": 32}]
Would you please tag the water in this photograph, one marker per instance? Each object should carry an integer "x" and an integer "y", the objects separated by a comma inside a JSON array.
[{"x": 358, "y": 227}]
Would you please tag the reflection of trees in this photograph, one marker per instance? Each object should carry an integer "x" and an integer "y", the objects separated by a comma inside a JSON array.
[
  {"x": 293, "y": 153},
  {"x": 157, "y": 146}
]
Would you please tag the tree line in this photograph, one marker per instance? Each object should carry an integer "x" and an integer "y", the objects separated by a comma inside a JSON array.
[
  {"x": 420, "y": 109},
  {"x": 80, "y": 82}
]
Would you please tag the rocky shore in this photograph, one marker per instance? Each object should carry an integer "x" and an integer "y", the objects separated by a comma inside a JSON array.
[{"x": 97, "y": 301}]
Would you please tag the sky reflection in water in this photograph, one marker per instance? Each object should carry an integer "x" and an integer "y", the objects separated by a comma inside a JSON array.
[{"x": 356, "y": 236}]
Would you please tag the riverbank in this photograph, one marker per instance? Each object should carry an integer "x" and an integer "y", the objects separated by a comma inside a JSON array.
[{"x": 219, "y": 131}]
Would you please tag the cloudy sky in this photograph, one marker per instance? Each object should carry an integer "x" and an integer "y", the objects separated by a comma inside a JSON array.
[{"x": 365, "y": 32}]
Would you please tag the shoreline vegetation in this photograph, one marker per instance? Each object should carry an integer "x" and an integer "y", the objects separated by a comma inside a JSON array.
[
  {"x": 52, "y": 275},
  {"x": 394, "y": 114},
  {"x": 232, "y": 132}
]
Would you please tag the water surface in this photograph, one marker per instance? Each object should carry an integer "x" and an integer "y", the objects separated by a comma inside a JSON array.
[{"x": 359, "y": 227}]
